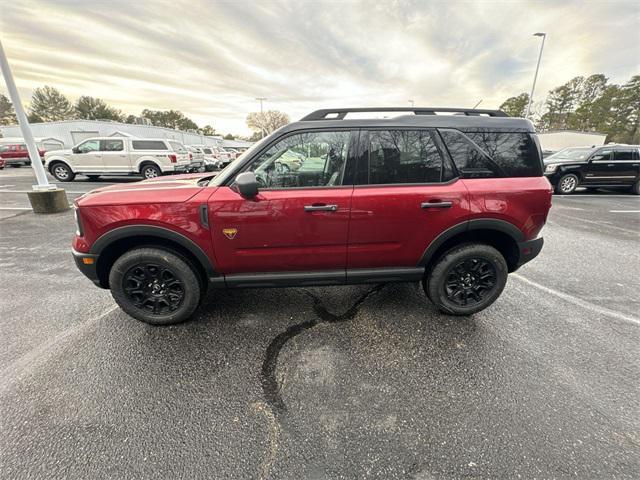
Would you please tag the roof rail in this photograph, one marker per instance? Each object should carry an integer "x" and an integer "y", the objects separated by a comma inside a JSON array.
[{"x": 340, "y": 113}]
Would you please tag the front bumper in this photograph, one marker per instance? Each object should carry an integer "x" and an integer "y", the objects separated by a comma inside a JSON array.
[
  {"x": 87, "y": 263},
  {"x": 529, "y": 250}
]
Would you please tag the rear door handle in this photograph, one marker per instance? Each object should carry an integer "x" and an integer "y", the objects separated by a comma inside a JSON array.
[
  {"x": 436, "y": 204},
  {"x": 320, "y": 208}
]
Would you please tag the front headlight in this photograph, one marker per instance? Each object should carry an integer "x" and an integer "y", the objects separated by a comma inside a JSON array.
[
  {"x": 76, "y": 215},
  {"x": 551, "y": 168}
]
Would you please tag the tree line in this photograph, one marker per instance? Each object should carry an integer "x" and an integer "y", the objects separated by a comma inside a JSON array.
[
  {"x": 590, "y": 104},
  {"x": 49, "y": 105}
]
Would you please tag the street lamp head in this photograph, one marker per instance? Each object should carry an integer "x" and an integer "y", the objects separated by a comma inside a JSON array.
[{"x": 540, "y": 34}]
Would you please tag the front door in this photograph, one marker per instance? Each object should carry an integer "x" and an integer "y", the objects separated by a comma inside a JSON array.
[
  {"x": 299, "y": 220},
  {"x": 600, "y": 170},
  {"x": 88, "y": 157},
  {"x": 405, "y": 195},
  {"x": 114, "y": 157}
]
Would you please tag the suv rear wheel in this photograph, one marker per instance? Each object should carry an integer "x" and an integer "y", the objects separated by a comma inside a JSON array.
[
  {"x": 636, "y": 188},
  {"x": 466, "y": 279},
  {"x": 155, "y": 286},
  {"x": 150, "y": 171},
  {"x": 62, "y": 172}
]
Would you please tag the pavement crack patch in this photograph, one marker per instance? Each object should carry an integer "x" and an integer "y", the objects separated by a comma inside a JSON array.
[{"x": 270, "y": 386}]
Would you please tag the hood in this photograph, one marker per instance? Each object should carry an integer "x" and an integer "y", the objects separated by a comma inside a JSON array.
[
  {"x": 170, "y": 189},
  {"x": 66, "y": 151}
]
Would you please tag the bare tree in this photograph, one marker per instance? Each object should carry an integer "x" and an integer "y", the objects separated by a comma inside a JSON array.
[{"x": 268, "y": 121}]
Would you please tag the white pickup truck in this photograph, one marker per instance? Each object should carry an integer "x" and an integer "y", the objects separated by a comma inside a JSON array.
[{"x": 149, "y": 157}]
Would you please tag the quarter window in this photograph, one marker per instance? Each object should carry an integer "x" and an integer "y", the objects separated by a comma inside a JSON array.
[
  {"x": 312, "y": 159},
  {"x": 469, "y": 159}
]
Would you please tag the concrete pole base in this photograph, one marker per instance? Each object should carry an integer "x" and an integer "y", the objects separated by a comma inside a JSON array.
[{"x": 49, "y": 201}]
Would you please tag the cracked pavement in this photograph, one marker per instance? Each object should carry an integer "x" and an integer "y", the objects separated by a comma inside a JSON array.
[{"x": 339, "y": 382}]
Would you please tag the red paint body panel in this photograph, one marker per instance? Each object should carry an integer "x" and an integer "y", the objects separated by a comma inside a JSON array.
[
  {"x": 390, "y": 229},
  {"x": 275, "y": 233},
  {"x": 524, "y": 201}
]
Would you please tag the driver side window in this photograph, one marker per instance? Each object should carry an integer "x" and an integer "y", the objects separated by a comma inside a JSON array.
[
  {"x": 310, "y": 159},
  {"x": 89, "y": 146}
]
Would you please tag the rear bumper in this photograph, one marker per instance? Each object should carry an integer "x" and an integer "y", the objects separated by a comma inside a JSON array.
[
  {"x": 529, "y": 250},
  {"x": 87, "y": 264}
]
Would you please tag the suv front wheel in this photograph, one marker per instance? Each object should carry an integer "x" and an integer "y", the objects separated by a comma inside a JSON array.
[
  {"x": 155, "y": 286},
  {"x": 567, "y": 184},
  {"x": 466, "y": 279}
]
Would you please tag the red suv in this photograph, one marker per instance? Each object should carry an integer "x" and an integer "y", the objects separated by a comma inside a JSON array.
[
  {"x": 16, "y": 154},
  {"x": 452, "y": 198}
]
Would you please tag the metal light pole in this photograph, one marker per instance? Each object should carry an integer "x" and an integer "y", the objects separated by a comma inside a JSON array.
[
  {"x": 535, "y": 77},
  {"x": 261, "y": 99},
  {"x": 45, "y": 197},
  {"x": 43, "y": 182}
]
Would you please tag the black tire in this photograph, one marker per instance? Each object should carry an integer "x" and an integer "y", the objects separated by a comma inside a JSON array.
[
  {"x": 636, "y": 188},
  {"x": 150, "y": 170},
  {"x": 567, "y": 184},
  {"x": 466, "y": 279},
  {"x": 140, "y": 285},
  {"x": 62, "y": 172},
  {"x": 15, "y": 165},
  {"x": 93, "y": 177}
]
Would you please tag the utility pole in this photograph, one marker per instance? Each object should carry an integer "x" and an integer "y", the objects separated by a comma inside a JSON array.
[
  {"x": 46, "y": 197},
  {"x": 261, "y": 99},
  {"x": 535, "y": 77},
  {"x": 479, "y": 102}
]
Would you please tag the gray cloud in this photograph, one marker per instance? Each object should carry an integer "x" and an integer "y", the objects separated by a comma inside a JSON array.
[{"x": 210, "y": 59}]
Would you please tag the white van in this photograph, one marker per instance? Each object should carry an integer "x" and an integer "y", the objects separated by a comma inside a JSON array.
[{"x": 149, "y": 157}]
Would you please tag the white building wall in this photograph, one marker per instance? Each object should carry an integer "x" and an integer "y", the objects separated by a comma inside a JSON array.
[{"x": 555, "y": 141}]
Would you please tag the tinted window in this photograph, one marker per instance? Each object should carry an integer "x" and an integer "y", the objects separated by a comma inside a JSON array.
[
  {"x": 207, "y": 151},
  {"x": 506, "y": 154},
  {"x": 112, "y": 146},
  {"x": 623, "y": 155},
  {"x": 515, "y": 153},
  {"x": 4, "y": 148},
  {"x": 148, "y": 145},
  {"x": 468, "y": 158},
  {"x": 314, "y": 159},
  {"x": 602, "y": 156},
  {"x": 403, "y": 156},
  {"x": 89, "y": 146}
]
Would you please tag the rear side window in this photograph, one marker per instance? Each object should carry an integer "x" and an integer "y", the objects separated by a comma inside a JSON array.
[
  {"x": 112, "y": 145},
  {"x": 402, "y": 157},
  {"x": 148, "y": 145},
  {"x": 625, "y": 155},
  {"x": 504, "y": 154}
]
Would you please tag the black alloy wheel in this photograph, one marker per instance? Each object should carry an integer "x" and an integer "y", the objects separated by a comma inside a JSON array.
[
  {"x": 153, "y": 288},
  {"x": 470, "y": 281}
]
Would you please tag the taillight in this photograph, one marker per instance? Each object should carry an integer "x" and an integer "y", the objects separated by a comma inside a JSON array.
[
  {"x": 190, "y": 156},
  {"x": 173, "y": 158}
]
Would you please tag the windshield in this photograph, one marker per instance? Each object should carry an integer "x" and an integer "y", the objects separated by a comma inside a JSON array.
[{"x": 571, "y": 154}]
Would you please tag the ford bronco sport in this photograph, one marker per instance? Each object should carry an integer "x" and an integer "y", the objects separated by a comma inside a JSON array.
[{"x": 452, "y": 198}]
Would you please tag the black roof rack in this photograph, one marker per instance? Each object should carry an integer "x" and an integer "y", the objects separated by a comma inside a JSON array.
[{"x": 340, "y": 113}]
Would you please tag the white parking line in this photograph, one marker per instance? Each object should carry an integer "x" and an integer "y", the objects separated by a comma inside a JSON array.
[
  {"x": 6, "y": 186},
  {"x": 29, "y": 191},
  {"x": 624, "y": 211},
  {"x": 578, "y": 301},
  {"x": 15, "y": 208}
]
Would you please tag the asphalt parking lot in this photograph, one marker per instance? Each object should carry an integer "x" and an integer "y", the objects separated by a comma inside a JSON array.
[{"x": 349, "y": 382}]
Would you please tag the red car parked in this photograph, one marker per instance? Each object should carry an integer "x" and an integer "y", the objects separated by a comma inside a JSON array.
[
  {"x": 454, "y": 201},
  {"x": 2, "y": 163},
  {"x": 16, "y": 154}
]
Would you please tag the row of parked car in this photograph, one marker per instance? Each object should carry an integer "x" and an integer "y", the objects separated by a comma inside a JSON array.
[{"x": 98, "y": 156}]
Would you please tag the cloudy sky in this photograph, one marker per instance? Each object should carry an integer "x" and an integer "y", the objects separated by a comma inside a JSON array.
[{"x": 211, "y": 59}]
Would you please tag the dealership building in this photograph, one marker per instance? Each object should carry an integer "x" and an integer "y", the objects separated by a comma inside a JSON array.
[{"x": 67, "y": 133}]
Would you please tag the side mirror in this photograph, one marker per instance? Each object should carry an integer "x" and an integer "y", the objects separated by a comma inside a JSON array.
[
  {"x": 247, "y": 184},
  {"x": 75, "y": 150}
]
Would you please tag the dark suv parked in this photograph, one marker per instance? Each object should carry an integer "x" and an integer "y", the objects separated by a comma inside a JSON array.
[
  {"x": 455, "y": 201},
  {"x": 594, "y": 167}
]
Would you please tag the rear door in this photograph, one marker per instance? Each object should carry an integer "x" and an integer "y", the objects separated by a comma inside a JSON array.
[
  {"x": 114, "y": 156},
  {"x": 299, "y": 220},
  {"x": 626, "y": 165},
  {"x": 405, "y": 196}
]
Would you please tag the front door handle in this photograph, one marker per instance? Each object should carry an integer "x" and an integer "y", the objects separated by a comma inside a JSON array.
[
  {"x": 436, "y": 204},
  {"x": 320, "y": 208}
]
